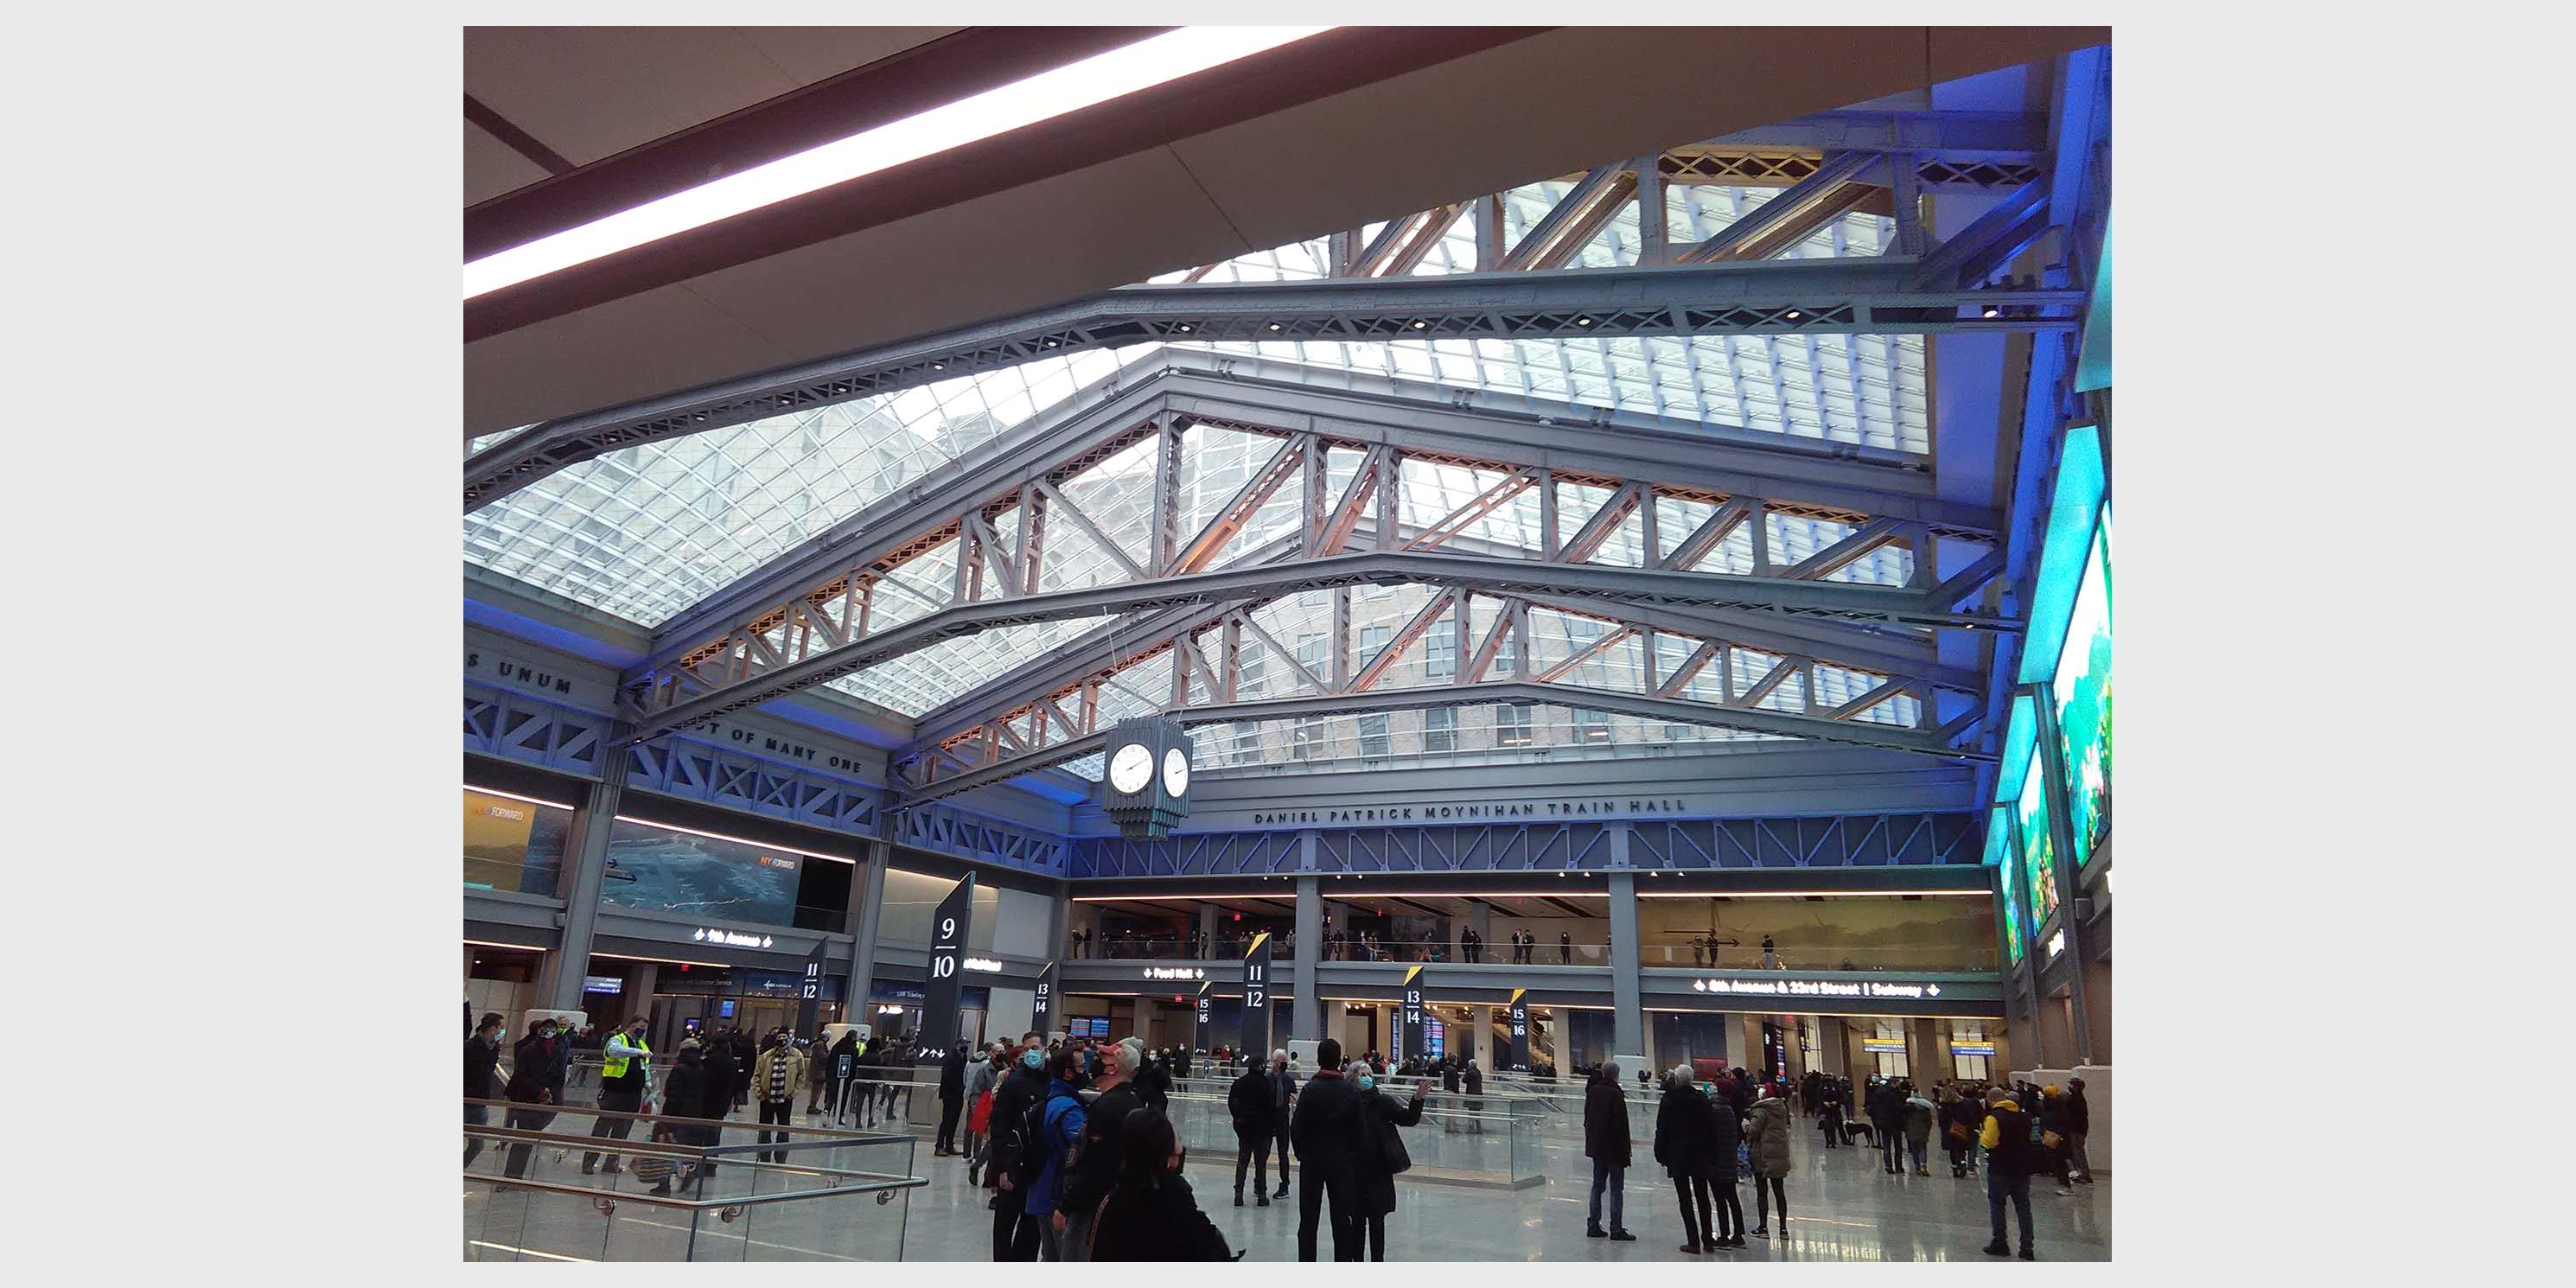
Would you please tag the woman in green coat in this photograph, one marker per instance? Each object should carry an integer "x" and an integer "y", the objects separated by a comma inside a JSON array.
[{"x": 1766, "y": 1129}]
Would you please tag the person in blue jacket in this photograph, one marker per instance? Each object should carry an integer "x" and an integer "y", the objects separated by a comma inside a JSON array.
[{"x": 1060, "y": 1126}]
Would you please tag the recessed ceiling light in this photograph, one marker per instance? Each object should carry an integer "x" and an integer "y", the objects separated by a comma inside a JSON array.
[
  {"x": 1044, "y": 96},
  {"x": 1274, "y": 326}
]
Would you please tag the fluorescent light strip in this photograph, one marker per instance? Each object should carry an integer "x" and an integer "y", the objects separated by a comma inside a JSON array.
[
  {"x": 1805, "y": 894},
  {"x": 666, "y": 961},
  {"x": 514, "y": 796},
  {"x": 738, "y": 840},
  {"x": 486, "y": 943},
  {"x": 1049, "y": 94}
]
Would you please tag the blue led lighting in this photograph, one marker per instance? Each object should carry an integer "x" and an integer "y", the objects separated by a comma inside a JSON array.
[
  {"x": 2019, "y": 737},
  {"x": 2080, "y": 486}
]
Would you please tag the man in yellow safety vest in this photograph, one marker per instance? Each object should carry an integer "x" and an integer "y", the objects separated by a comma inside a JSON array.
[{"x": 625, "y": 1086}]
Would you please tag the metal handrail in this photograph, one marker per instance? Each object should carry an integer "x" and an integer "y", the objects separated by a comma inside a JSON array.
[
  {"x": 561, "y": 1108},
  {"x": 700, "y": 1205}
]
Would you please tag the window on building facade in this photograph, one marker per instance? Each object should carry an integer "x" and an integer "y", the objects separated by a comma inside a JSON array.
[
  {"x": 1442, "y": 658},
  {"x": 1591, "y": 725},
  {"x": 1373, "y": 737},
  {"x": 1512, "y": 724},
  {"x": 1440, "y": 729}
]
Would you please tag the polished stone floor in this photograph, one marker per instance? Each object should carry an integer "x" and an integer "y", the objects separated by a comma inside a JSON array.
[{"x": 1842, "y": 1208}]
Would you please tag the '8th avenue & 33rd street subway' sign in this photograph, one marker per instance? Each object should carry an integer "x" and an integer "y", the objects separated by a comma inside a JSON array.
[{"x": 1814, "y": 988}]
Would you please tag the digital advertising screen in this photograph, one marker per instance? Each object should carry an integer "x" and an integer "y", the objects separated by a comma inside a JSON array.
[
  {"x": 2083, "y": 693},
  {"x": 2000, "y": 852},
  {"x": 656, "y": 869},
  {"x": 512, "y": 843},
  {"x": 2038, "y": 857}
]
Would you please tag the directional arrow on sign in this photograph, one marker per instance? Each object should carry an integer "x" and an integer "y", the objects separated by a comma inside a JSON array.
[
  {"x": 699, "y": 934},
  {"x": 1933, "y": 989},
  {"x": 766, "y": 941}
]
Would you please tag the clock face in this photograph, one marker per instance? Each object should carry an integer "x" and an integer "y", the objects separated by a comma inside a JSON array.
[
  {"x": 1131, "y": 767},
  {"x": 1176, "y": 772}
]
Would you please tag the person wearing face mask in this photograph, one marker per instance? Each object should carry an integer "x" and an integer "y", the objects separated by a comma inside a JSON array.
[
  {"x": 1014, "y": 1158},
  {"x": 482, "y": 1077},
  {"x": 1060, "y": 1127},
  {"x": 539, "y": 1064},
  {"x": 1380, "y": 1155},
  {"x": 1150, "y": 1214},
  {"x": 777, "y": 1074},
  {"x": 625, "y": 1079}
]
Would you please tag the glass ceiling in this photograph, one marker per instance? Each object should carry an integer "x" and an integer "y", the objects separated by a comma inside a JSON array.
[
  {"x": 647, "y": 532},
  {"x": 1303, "y": 624}
]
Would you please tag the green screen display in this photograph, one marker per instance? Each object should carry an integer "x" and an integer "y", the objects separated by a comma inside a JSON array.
[
  {"x": 2038, "y": 855},
  {"x": 2083, "y": 691},
  {"x": 1999, "y": 851}
]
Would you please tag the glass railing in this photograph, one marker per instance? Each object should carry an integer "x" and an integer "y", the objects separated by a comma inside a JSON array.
[{"x": 575, "y": 1183}]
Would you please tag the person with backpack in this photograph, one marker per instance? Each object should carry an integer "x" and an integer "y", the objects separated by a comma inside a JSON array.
[
  {"x": 1247, "y": 1102},
  {"x": 1098, "y": 1152},
  {"x": 1150, "y": 1214},
  {"x": 2013, "y": 1152},
  {"x": 1726, "y": 1140},
  {"x": 1019, "y": 1103},
  {"x": 684, "y": 1095},
  {"x": 1919, "y": 1114},
  {"x": 1961, "y": 1116},
  {"x": 1606, "y": 1143},
  {"x": 1381, "y": 1155},
  {"x": 1060, "y": 1125},
  {"x": 1766, "y": 1131},
  {"x": 1686, "y": 1144}
]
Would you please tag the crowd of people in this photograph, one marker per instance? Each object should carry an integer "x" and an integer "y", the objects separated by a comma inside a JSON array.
[{"x": 1074, "y": 1137}]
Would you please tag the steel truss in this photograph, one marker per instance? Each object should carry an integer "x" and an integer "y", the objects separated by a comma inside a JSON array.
[
  {"x": 822, "y": 627},
  {"x": 1827, "y": 841},
  {"x": 1880, "y": 296}
]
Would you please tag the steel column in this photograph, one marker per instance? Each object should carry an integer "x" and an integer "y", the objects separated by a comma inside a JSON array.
[
  {"x": 1627, "y": 993},
  {"x": 585, "y": 866},
  {"x": 1305, "y": 1017}
]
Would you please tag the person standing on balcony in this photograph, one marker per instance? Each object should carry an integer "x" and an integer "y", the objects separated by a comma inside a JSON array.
[
  {"x": 1607, "y": 1144},
  {"x": 1472, "y": 946},
  {"x": 1565, "y": 947}
]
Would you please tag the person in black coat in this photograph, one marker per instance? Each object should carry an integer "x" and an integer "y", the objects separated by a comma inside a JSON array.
[
  {"x": 539, "y": 1064},
  {"x": 1380, "y": 1152},
  {"x": 1686, "y": 1144},
  {"x": 952, "y": 1099},
  {"x": 1726, "y": 1135},
  {"x": 1606, "y": 1143},
  {"x": 482, "y": 1076},
  {"x": 1887, "y": 1121},
  {"x": 1829, "y": 1112},
  {"x": 1326, "y": 1131},
  {"x": 684, "y": 1095},
  {"x": 1247, "y": 1102},
  {"x": 1015, "y": 1234},
  {"x": 2079, "y": 1124},
  {"x": 1150, "y": 1214}
]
